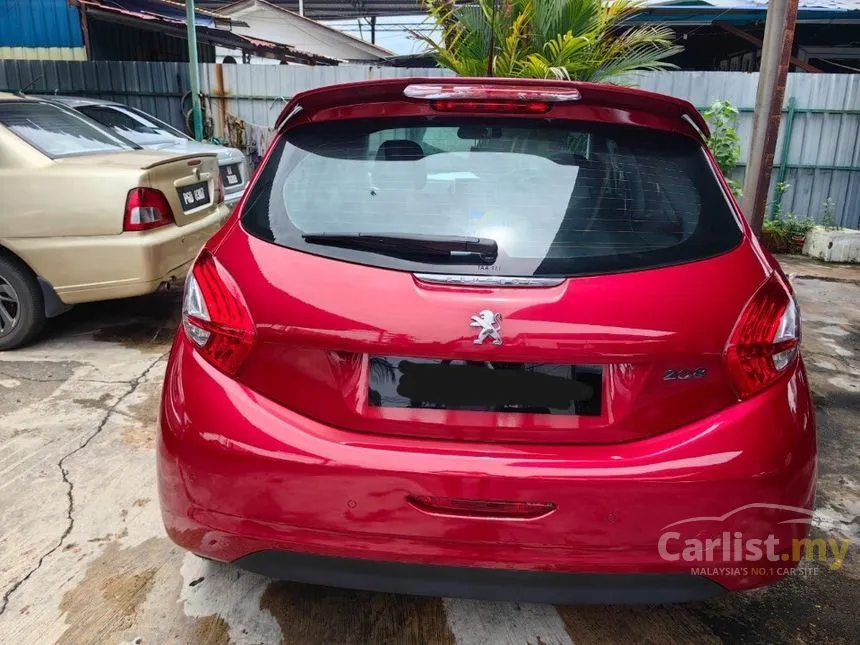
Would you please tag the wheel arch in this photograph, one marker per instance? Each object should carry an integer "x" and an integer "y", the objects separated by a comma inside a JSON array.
[{"x": 54, "y": 306}]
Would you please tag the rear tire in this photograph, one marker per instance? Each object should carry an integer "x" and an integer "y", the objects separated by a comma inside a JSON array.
[{"x": 22, "y": 305}]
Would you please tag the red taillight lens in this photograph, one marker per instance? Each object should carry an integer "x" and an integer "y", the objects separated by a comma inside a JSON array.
[
  {"x": 145, "y": 209},
  {"x": 480, "y": 507},
  {"x": 215, "y": 315},
  {"x": 515, "y": 107},
  {"x": 765, "y": 339}
]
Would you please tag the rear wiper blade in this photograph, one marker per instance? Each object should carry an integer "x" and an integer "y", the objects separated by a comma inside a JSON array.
[{"x": 431, "y": 247}]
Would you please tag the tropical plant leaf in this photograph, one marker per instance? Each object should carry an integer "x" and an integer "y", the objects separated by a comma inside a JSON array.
[{"x": 587, "y": 40}]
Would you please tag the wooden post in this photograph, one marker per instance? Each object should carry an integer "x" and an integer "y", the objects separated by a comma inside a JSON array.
[{"x": 775, "y": 56}]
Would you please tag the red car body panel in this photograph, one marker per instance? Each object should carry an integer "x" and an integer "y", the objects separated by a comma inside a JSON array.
[
  {"x": 239, "y": 474},
  {"x": 287, "y": 455},
  {"x": 319, "y": 348}
]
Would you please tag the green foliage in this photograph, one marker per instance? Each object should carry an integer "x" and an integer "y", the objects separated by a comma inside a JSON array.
[
  {"x": 781, "y": 234},
  {"x": 724, "y": 143},
  {"x": 789, "y": 227},
  {"x": 828, "y": 218},
  {"x": 581, "y": 40},
  {"x": 779, "y": 191}
]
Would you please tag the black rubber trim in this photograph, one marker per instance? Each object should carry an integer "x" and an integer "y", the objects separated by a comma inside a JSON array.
[
  {"x": 53, "y": 305},
  {"x": 482, "y": 584}
]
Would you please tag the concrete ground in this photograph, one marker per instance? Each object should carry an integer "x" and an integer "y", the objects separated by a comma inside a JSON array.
[{"x": 83, "y": 558}]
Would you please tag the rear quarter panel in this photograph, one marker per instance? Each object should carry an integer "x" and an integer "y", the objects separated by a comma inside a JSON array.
[
  {"x": 64, "y": 217},
  {"x": 59, "y": 201}
]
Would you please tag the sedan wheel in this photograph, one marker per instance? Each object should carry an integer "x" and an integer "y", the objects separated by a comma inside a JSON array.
[
  {"x": 22, "y": 305},
  {"x": 10, "y": 307}
]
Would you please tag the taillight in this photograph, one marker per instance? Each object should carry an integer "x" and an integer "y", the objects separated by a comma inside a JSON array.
[
  {"x": 215, "y": 316},
  {"x": 765, "y": 339},
  {"x": 516, "y": 107},
  {"x": 480, "y": 507},
  {"x": 145, "y": 209},
  {"x": 483, "y": 98}
]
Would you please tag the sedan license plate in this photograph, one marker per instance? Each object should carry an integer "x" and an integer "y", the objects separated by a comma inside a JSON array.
[
  {"x": 230, "y": 175},
  {"x": 193, "y": 195}
]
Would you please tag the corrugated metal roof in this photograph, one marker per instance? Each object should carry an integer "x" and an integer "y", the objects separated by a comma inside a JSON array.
[
  {"x": 39, "y": 23},
  {"x": 831, "y": 5},
  {"x": 275, "y": 23},
  {"x": 740, "y": 12},
  {"x": 106, "y": 10},
  {"x": 330, "y": 9},
  {"x": 826, "y": 5},
  {"x": 173, "y": 10}
]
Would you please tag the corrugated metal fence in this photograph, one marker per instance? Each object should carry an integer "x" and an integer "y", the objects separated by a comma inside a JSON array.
[
  {"x": 258, "y": 93},
  {"x": 156, "y": 88},
  {"x": 823, "y": 156},
  {"x": 822, "y": 160}
]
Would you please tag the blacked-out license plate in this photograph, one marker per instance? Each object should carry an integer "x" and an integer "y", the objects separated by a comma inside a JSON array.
[
  {"x": 534, "y": 388},
  {"x": 193, "y": 195}
]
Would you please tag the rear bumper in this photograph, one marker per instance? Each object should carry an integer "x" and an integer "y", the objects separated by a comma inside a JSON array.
[
  {"x": 231, "y": 199},
  {"x": 104, "y": 267},
  {"x": 240, "y": 475},
  {"x": 482, "y": 584}
]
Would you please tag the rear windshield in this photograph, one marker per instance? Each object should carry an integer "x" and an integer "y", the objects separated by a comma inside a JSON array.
[
  {"x": 558, "y": 199},
  {"x": 55, "y": 131},
  {"x": 132, "y": 124}
]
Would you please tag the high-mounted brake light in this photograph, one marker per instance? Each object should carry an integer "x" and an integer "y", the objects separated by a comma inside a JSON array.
[
  {"x": 765, "y": 339},
  {"x": 520, "y": 107},
  {"x": 441, "y": 91},
  {"x": 145, "y": 209},
  {"x": 215, "y": 315},
  {"x": 478, "y": 98}
]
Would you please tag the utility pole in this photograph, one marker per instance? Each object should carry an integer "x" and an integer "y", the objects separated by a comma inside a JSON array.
[
  {"x": 773, "y": 73},
  {"x": 193, "y": 70},
  {"x": 491, "y": 48}
]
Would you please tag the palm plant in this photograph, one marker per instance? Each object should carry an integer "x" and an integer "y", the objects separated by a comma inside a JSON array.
[{"x": 582, "y": 40}]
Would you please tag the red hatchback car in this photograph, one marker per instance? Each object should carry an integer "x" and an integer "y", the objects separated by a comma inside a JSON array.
[{"x": 490, "y": 338}]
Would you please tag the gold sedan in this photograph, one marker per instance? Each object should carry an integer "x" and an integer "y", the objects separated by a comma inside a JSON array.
[{"x": 84, "y": 216}]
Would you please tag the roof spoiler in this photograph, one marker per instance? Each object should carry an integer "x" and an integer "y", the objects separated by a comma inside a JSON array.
[{"x": 394, "y": 89}]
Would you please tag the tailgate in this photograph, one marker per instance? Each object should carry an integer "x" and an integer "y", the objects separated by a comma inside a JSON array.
[
  {"x": 388, "y": 300},
  {"x": 590, "y": 360}
]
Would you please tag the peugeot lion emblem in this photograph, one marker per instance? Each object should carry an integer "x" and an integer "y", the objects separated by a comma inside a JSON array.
[{"x": 490, "y": 324}]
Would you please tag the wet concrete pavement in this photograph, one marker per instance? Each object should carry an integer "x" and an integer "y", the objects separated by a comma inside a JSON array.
[{"x": 83, "y": 557}]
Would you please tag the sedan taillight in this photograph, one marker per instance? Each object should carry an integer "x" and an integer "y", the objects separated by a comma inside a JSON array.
[
  {"x": 145, "y": 209},
  {"x": 215, "y": 316},
  {"x": 765, "y": 339}
]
